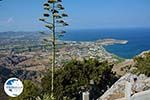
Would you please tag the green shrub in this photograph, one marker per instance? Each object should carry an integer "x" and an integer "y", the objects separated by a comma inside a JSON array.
[
  {"x": 142, "y": 64},
  {"x": 30, "y": 91},
  {"x": 75, "y": 76}
]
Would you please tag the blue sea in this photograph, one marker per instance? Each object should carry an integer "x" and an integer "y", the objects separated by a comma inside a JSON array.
[{"x": 138, "y": 39}]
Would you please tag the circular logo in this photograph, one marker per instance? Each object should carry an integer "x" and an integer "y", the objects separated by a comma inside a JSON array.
[{"x": 13, "y": 87}]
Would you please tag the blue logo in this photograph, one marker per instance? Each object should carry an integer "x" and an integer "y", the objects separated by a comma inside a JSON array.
[{"x": 13, "y": 87}]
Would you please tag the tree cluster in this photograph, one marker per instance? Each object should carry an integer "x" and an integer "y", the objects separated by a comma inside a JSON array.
[{"x": 76, "y": 77}]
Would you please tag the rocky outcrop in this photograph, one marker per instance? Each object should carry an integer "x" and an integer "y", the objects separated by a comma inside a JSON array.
[
  {"x": 9, "y": 68},
  {"x": 12, "y": 60},
  {"x": 118, "y": 89}
]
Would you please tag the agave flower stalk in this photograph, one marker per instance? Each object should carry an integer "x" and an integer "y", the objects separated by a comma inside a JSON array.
[{"x": 53, "y": 18}]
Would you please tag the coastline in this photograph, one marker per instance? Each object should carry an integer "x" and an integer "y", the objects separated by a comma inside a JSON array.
[{"x": 97, "y": 50}]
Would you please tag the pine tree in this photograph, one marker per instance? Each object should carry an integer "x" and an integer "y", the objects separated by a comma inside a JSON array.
[{"x": 53, "y": 19}]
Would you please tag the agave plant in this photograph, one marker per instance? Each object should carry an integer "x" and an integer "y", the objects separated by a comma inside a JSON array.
[{"x": 54, "y": 16}]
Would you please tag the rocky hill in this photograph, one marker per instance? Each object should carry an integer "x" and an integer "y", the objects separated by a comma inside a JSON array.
[
  {"x": 9, "y": 67},
  {"x": 118, "y": 89},
  {"x": 124, "y": 69}
]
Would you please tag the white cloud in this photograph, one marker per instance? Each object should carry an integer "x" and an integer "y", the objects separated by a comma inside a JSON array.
[
  {"x": 5, "y": 22},
  {"x": 10, "y": 20}
]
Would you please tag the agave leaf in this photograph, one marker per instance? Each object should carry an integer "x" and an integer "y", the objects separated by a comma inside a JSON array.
[
  {"x": 47, "y": 8},
  {"x": 65, "y": 24},
  {"x": 46, "y": 5},
  {"x": 64, "y": 15},
  {"x": 55, "y": 14},
  {"x": 52, "y": 1},
  {"x": 42, "y": 19},
  {"x": 60, "y": 21},
  {"x": 60, "y": 35},
  {"x": 59, "y": 0},
  {"x": 59, "y": 6},
  {"x": 45, "y": 40},
  {"x": 62, "y": 32},
  {"x": 46, "y": 15},
  {"x": 62, "y": 8},
  {"x": 54, "y": 11},
  {"x": 58, "y": 17},
  {"x": 49, "y": 26}
]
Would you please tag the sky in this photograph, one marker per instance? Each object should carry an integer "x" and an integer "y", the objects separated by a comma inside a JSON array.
[{"x": 23, "y": 15}]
